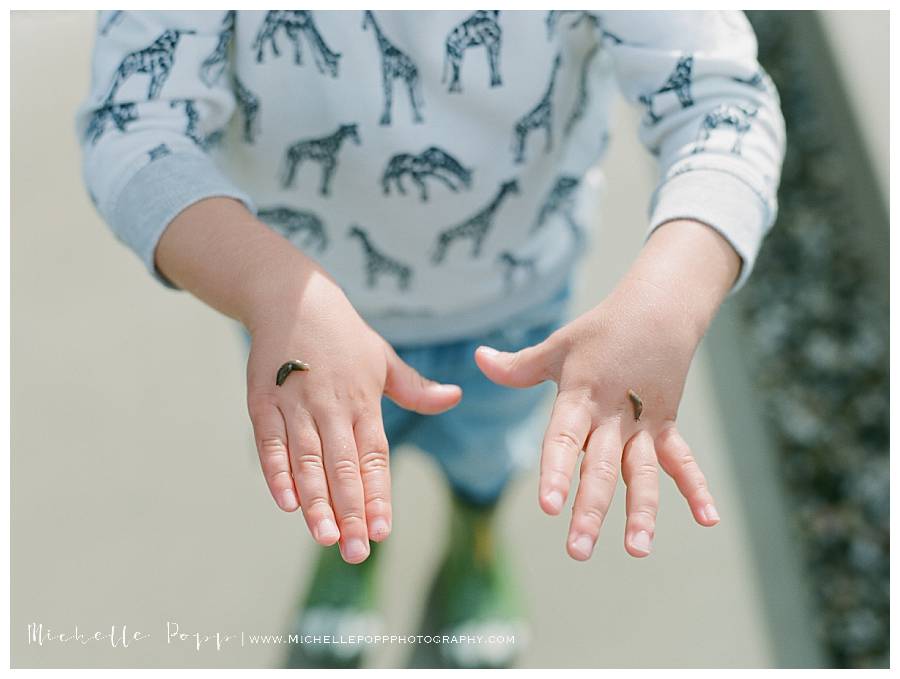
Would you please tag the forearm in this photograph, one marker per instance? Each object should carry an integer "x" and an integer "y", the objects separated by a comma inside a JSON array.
[
  {"x": 694, "y": 266},
  {"x": 218, "y": 251}
]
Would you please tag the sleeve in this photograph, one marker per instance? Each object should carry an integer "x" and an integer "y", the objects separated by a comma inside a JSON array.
[
  {"x": 159, "y": 99},
  {"x": 712, "y": 118}
]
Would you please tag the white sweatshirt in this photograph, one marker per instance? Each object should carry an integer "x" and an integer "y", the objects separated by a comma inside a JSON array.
[{"x": 430, "y": 161}]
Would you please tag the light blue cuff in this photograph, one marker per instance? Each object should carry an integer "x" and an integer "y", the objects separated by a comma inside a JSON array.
[
  {"x": 722, "y": 201},
  {"x": 155, "y": 195}
]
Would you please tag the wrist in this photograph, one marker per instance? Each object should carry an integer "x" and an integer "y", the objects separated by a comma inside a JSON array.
[
  {"x": 287, "y": 291},
  {"x": 692, "y": 266},
  {"x": 279, "y": 282}
]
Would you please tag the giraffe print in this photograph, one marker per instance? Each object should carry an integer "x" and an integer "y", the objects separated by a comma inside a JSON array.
[
  {"x": 756, "y": 80},
  {"x": 395, "y": 65},
  {"x": 323, "y": 150},
  {"x": 432, "y": 162},
  {"x": 734, "y": 116},
  {"x": 615, "y": 39},
  {"x": 296, "y": 23},
  {"x": 554, "y": 15},
  {"x": 115, "y": 16},
  {"x": 214, "y": 65},
  {"x": 378, "y": 263},
  {"x": 119, "y": 114},
  {"x": 761, "y": 81},
  {"x": 512, "y": 265},
  {"x": 678, "y": 82},
  {"x": 291, "y": 223},
  {"x": 476, "y": 228},
  {"x": 479, "y": 30},
  {"x": 154, "y": 60},
  {"x": 191, "y": 129},
  {"x": 581, "y": 102},
  {"x": 190, "y": 112},
  {"x": 157, "y": 152},
  {"x": 540, "y": 117},
  {"x": 213, "y": 139},
  {"x": 560, "y": 201},
  {"x": 248, "y": 103}
]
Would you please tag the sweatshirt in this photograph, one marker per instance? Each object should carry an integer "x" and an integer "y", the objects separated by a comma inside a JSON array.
[{"x": 430, "y": 161}]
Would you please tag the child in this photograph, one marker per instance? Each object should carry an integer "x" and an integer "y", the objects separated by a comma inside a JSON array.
[{"x": 388, "y": 197}]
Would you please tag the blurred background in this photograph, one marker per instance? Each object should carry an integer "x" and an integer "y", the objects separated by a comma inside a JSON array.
[{"x": 137, "y": 498}]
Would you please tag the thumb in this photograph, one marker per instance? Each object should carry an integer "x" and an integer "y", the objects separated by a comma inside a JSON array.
[
  {"x": 408, "y": 389},
  {"x": 524, "y": 368}
]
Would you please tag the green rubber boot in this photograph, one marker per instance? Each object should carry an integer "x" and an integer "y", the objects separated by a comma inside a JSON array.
[
  {"x": 473, "y": 596},
  {"x": 340, "y": 601}
]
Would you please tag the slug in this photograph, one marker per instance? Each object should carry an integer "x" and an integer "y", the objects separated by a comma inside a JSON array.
[
  {"x": 636, "y": 403},
  {"x": 286, "y": 370}
]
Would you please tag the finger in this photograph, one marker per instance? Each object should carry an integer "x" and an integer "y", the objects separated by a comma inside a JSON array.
[
  {"x": 345, "y": 484},
  {"x": 642, "y": 496},
  {"x": 374, "y": 465},
  {"x": 408, "y": 389},
  {"x": 596, "y": 487},
  {"x": 563, "y": 441},
  {"x": 271, "y": 445},
  {"x": 524, "y": 368},
  {"x": 309, "y": 477},
  {"x": 678, "y": 462}
]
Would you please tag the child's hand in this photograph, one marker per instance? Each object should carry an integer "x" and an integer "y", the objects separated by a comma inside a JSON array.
[
  {"x": 641, "y": 338},
  {"x": 633, "y": 340},
  {"x": 320, "y": 435}
]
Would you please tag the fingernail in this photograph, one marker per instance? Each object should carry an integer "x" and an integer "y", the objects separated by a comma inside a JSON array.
[
  {"x": 355, "y": 549},
  {"x": 444, "y": 388},
  {"x": 288, "y": 500},
  {"x": 555, "y": 500},
  {"x": 641, "y": 541},
  {"x": 488, "y": 351},
  {"x": 379, "y": 528},
  {"x": 710, "y": 513},
  {"x": 327, "y": 530},
  {"x": 583, "y": 545}
]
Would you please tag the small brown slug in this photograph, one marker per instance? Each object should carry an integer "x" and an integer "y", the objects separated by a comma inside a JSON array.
[
  {"x": 636, "y": 403},
  {"x": 287, "y": 369}
]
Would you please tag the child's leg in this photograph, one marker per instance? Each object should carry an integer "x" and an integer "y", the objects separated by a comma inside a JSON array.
[
  {"x": 340, "y": 599},
  {"x": 474, "y": 593},
  {"x": 481, "y": 445}
]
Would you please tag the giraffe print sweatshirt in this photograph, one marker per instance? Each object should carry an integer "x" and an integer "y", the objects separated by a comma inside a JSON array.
[{"x": 430, "y": 161}]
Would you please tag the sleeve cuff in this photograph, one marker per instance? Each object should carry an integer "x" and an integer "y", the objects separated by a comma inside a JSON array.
[
  {"x": 723, "y": 202},
  {"x": 155, "y": 195}
]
